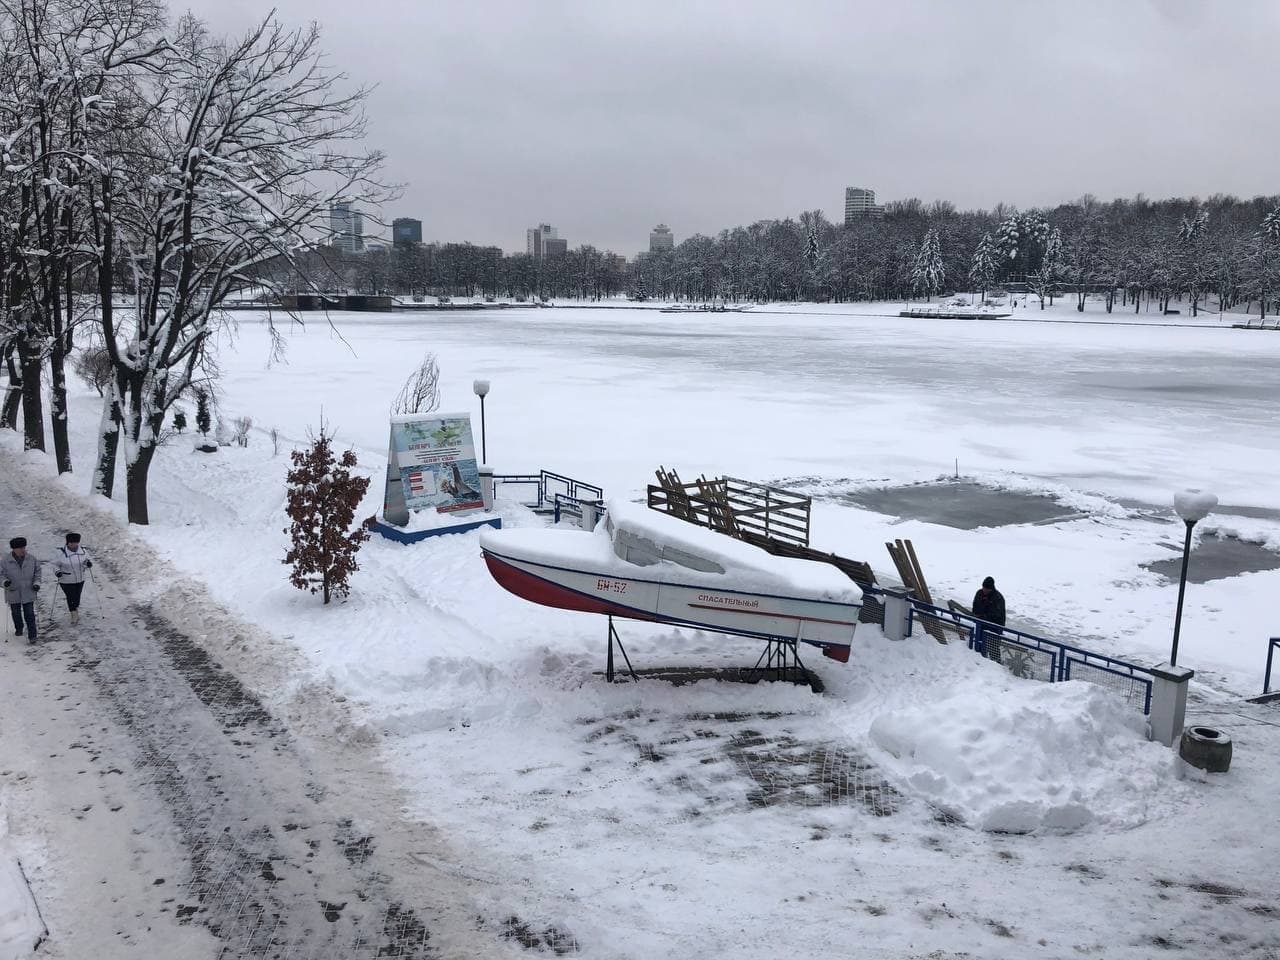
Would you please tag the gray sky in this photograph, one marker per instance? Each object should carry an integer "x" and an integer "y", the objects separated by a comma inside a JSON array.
[{"x": 604, "y": 118}]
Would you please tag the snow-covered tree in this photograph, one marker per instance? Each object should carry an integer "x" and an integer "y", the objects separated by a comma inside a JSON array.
[
  {"x": 322, "y": 500},
  {"x": 982, "y": 271},
  {"x": 63, "y": 66},
  {"x": 1268, "y": 240},
  {"x": 1192, "y": 241},
  {"x": 245, "y": 147},
  {"x": 1044, "y": 280},
  {"x": 1020, "y": 240},
  {"x": 204, "y": 418},
  {"x": 927, "y": 273}
]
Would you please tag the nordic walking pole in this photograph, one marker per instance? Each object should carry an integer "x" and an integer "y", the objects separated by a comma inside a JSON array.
[{"x": 97, "y": 593}]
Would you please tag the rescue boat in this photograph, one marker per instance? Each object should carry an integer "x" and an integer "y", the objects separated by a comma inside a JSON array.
[{"x": 642, "y": 565}]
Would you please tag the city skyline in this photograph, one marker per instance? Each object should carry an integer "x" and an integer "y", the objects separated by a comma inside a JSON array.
[{"x": 634, "y": 120}]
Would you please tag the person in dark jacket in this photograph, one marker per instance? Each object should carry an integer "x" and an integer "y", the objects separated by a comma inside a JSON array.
[
  {"x": 21, "y": 577},
  {"x": 988, "y": 605}
]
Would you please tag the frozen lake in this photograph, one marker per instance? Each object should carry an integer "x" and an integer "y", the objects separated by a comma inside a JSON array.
[{"x": 1120, "y": 410}]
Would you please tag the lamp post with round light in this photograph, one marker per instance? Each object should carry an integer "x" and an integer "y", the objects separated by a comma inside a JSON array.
[
  {"x": 1192, "y": 506},
  {"x": 481, "y": 388}
]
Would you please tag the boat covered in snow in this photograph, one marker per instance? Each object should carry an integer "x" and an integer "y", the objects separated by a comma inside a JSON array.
[{"x": 644, "y": 565}]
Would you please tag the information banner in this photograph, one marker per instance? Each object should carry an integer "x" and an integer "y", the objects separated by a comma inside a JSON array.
[{"x": 431, "y": 464}]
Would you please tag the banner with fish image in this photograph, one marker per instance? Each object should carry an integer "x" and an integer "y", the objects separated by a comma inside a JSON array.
[{"x": 431, "y": 464}]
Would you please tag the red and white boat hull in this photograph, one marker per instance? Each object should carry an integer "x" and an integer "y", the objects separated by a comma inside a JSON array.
[{"x": 826, "y": 624}]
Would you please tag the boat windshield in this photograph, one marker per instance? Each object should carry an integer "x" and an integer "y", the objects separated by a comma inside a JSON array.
[{"x": 644, "y": 552}]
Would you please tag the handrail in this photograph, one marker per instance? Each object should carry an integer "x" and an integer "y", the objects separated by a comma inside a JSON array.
[
  {"x": 573, "y": 505},
  {"x": 983, "y": 635}
]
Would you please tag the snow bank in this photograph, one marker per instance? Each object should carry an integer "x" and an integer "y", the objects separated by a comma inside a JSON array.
[{"x": 1017, "y": 756}]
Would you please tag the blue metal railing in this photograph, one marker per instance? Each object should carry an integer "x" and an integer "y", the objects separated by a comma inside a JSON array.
[
  {"x": 1038, "y": 658},
  {"x": 1272, "y": 646}
]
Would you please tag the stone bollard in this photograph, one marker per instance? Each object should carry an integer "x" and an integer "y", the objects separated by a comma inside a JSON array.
[
  {"x": 486, "y": 486},
  {"x": 1168, "y": 702},
  {"x": 897, "y": 614},
  {"x": 590, "y": 514}
]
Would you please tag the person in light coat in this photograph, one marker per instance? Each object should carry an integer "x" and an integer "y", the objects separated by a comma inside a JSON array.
[
  {"x": 71, "y": 565},
  {"x": 20, "y": 573}
]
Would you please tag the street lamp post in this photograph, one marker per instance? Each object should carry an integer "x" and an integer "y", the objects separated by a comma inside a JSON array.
[
  {"x": 1192, "y": 506},
  {"x": 481, "y": 388}
]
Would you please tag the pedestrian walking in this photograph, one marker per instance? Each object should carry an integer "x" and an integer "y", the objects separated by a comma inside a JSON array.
[
  {"x": 71, "y": 565},
  {"x": 20, "y": 573},
  {"x": 988, "y": 606}
]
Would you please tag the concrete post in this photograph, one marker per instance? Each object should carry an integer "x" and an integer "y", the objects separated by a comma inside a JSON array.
[
  {"x": 486, "y": 486},
  {"x": 1168, "y": 703},
  {"x": 590, "y": 514},
  {"x": 897, "y": 614}
]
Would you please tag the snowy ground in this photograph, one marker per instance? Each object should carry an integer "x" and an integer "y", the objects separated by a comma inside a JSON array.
[{"x": 645, "y": 820}]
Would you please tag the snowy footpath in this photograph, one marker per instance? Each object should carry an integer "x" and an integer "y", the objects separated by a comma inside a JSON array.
[{"x": 161, "y": 807}]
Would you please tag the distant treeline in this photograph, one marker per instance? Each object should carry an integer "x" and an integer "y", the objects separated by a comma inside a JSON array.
[{"x": 1221, "y": 251}]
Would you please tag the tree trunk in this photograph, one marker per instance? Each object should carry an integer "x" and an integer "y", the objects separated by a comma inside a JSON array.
[
  {"x": 58, "y": 407},
  {"x": 136, "y": 484},
  {"x": 104, "y": 474},
  {"x": 12, "y": 397},
  {"x": 32, "y": 404}
]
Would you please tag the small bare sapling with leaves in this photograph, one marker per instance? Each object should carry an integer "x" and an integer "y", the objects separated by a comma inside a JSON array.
[
  {"x": 421, "y": 392},
  {"x": 322, "y": 500}
]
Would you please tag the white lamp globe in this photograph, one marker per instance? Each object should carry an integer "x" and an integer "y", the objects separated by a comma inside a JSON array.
[
  {"x": 1194, "y": 505},
  {"x": 481, "y": 387}
]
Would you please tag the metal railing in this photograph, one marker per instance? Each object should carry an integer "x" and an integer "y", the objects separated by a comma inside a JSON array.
[
  {"x": 555, "y": 484},
  {"x": 1272, "y": 646},
  {"x": 550, "y": 486},
  {"x": 1037, "y": 658},
  {"x": 567, "y": 506}
]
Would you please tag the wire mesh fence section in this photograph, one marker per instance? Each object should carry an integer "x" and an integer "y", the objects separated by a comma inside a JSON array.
[
  {"x": 942, "y": 626},
  {"x": 1134, "y": 690}
]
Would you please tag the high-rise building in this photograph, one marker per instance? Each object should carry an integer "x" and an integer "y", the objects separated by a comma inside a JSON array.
[
  {"x": 661, "y": 239},
  {"x": 859, "y": 203},
  {"x": 536, "y": 238},
  {"x": 554, "y": 247},
  {"x": 406, "y": 230},
  {"x": 346, "y": 228}
]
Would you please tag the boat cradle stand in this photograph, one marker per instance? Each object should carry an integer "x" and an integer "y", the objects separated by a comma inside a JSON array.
[
  {"x": 779, "y": 661},
  {"x": 614, "y": 638}
]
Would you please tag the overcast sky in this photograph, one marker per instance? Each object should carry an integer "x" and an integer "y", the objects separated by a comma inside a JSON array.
[{"x": 605, "y": 118}]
